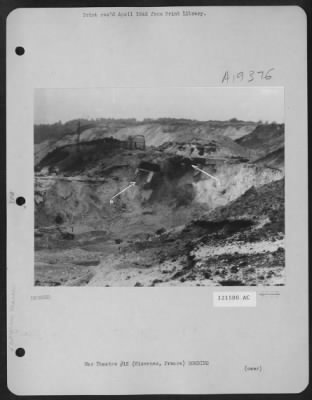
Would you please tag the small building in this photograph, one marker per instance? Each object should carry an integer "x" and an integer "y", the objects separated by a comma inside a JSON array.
[
  {"x": 135, "y": 142},
  {"x": 139, "y": 142}
]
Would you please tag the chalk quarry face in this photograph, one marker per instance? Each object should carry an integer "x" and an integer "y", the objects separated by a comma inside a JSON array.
[{"x": 109, "y": 212}]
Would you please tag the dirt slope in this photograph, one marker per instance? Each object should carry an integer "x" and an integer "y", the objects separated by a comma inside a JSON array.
[
  {"x": 175, "y": 225},
  {"x": 274, "y": 159},
  {"x": 263, "y": 140},
  {"x": 156, "y": 132},
  {"x": 238, "y": 244}
]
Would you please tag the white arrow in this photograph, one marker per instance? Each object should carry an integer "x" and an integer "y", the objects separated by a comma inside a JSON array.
[
  {"x": 123, "y": 190},
  {"x": 206, "y": 173}
]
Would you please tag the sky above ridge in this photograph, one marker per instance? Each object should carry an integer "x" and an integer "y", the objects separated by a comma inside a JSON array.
[{"x": 202, "y": 103}]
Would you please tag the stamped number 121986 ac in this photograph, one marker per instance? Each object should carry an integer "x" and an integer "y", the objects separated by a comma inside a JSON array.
[{"x": 234, "y": 299}]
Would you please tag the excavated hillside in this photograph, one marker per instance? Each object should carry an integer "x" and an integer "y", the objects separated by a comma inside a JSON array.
[
  {"x": 274, "y": 159},
  {"x": 156, "y": 132},
  {"x": 264, "y": 140},
  {"x": 155, "y": 232}
]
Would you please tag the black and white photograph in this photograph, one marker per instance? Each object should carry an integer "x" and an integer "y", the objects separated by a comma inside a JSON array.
[
  {"x": 157, "y": 201},
  {"x": 149, "y": 187}
]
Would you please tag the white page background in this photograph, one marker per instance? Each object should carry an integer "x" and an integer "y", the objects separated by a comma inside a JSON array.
[{"x": 78, "y": 324}]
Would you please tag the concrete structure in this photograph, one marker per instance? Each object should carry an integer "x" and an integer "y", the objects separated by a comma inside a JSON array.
[
  {"x": 146, "y": 171},
  {"x": 135, "y": 142}
]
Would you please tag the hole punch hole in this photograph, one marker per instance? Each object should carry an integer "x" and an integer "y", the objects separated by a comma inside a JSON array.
[
  {"x": 19, "y": 50},
  {"x": 20, "y": 201},
  {"x": 20, "y": 352}
]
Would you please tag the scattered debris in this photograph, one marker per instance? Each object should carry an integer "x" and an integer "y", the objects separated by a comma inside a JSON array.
[{"x": 126, "y": 202}]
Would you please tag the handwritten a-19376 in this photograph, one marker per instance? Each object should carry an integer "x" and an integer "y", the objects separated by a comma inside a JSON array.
[{"x": 247, "y": 76}]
